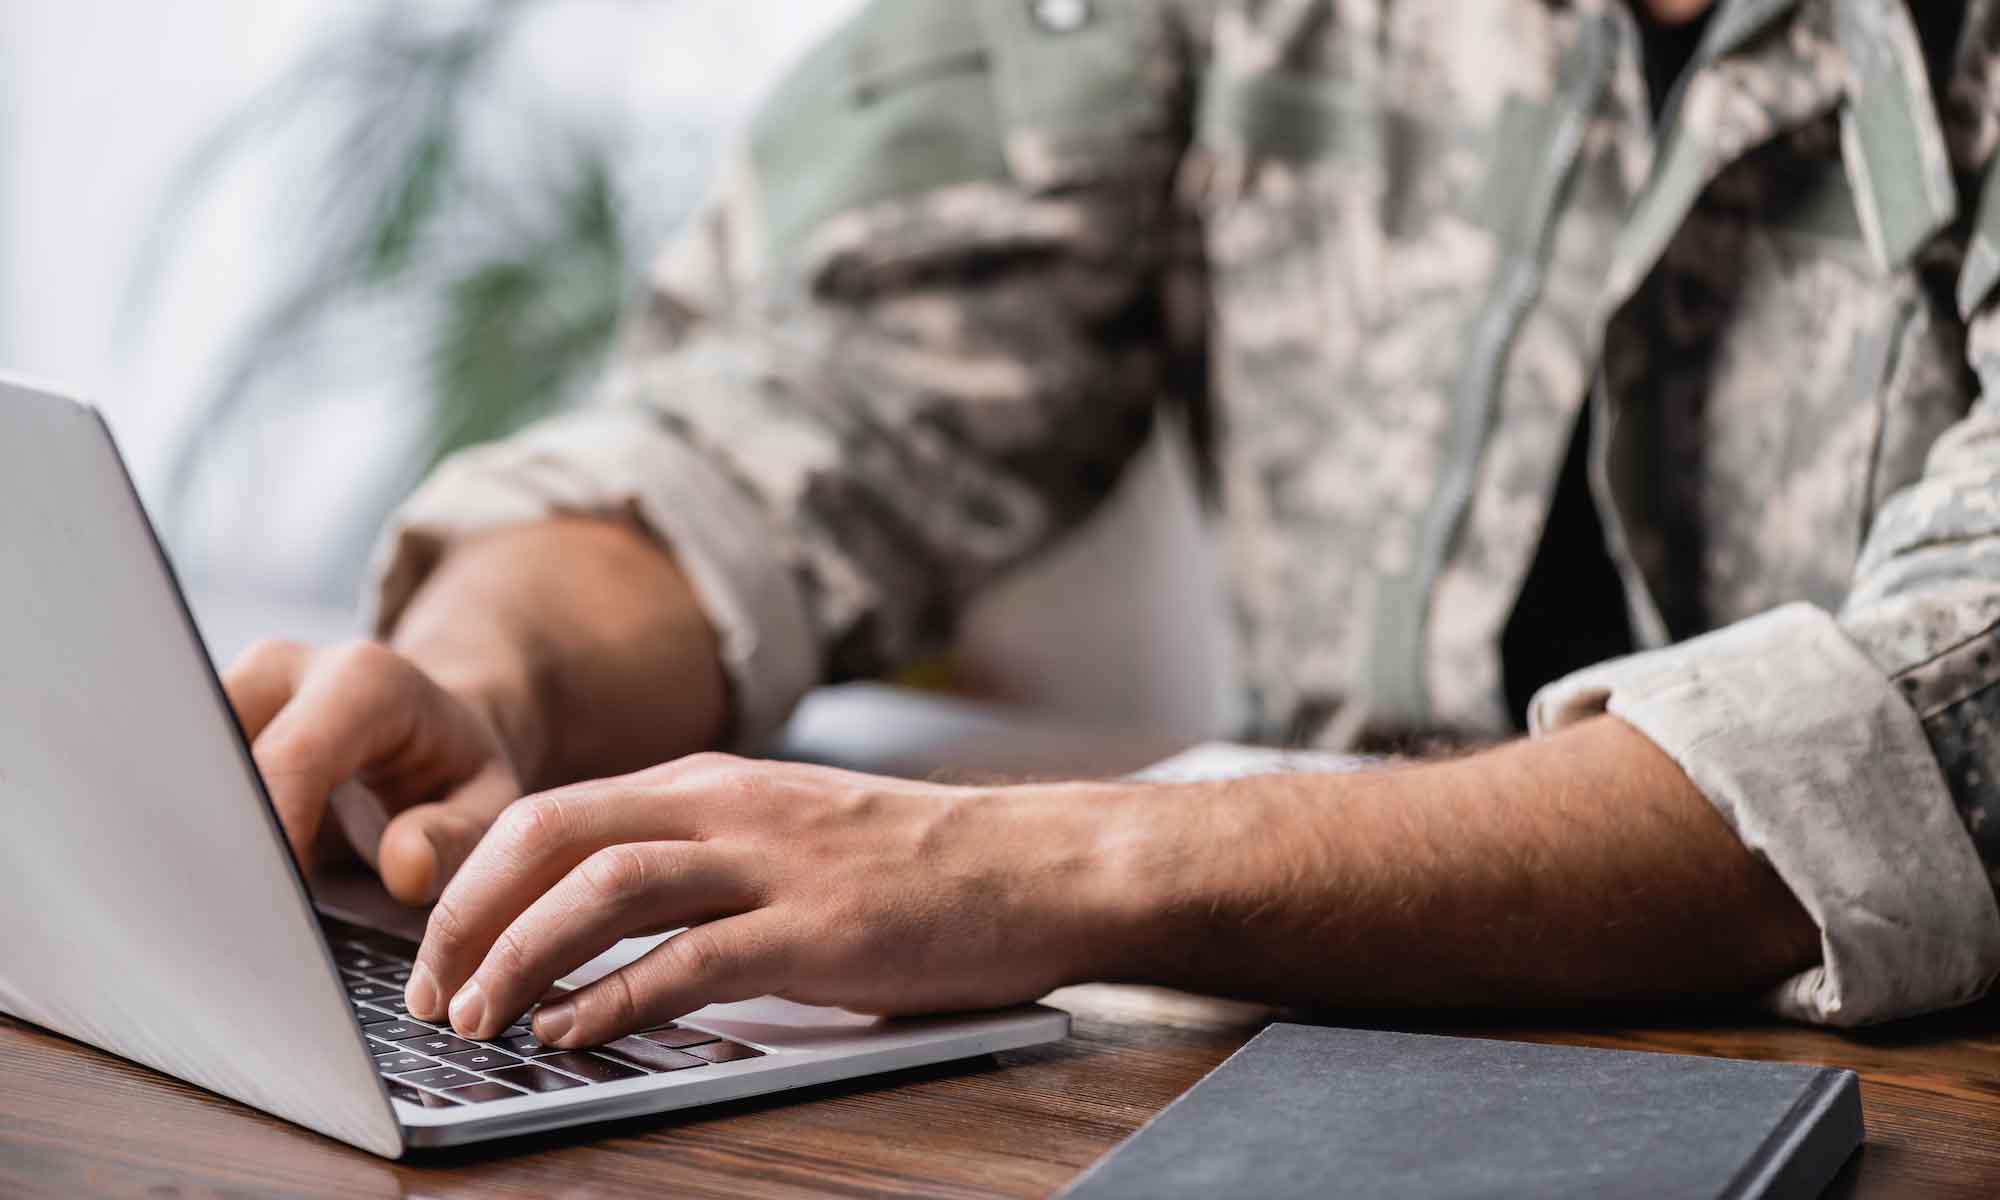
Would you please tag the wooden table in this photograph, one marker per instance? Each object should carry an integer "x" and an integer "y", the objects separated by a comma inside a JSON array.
[{"x": 76, "y": 1122}]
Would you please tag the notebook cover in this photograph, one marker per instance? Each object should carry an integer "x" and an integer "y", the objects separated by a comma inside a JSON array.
[{"x": 1309, "y": 1111}]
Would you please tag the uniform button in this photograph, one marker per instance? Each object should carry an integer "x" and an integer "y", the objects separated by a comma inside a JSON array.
[{"x": 1060, "y": 16}]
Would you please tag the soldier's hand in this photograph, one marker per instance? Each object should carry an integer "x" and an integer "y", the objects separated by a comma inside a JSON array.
[
  {"x": 824, "y": 886},
  {"x": 323, "y": 718}
]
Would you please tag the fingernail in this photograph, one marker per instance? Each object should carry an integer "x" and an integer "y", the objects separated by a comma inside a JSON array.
[
  {"x": 468, "y": 1008},
  {"x": 552, "y": 1022},
  {"x": 421, "y": 993}
]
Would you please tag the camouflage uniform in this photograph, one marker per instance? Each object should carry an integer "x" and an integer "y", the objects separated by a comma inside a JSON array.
[{"x": 970, "y": 248}]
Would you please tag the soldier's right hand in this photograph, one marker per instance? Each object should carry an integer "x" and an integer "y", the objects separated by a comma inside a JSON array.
[{"x": 321, "y": 718}]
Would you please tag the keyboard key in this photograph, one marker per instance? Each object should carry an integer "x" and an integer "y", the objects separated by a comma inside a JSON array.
[
  {"x": 525, "y": 1045},
  {"x": 371, "y": 939},
  {"x": 483, "y": 1091},
  {"x": 439, "y": 1044},
  {"x": 722, "y": 1052},
  {"x": 410, "y": 1095},
  {"x": 482, "y": 1058},
  {"x": 589, "y": 1066},
  {"x": 441, "y": 1078},
  {"x": 398, "y": 1031},
  {"x": 678, "y": 1037},
  {"x": 373, "y": 1019},
  {"x": 399, "y": 976},
  {"x": 380, "y": 1049},
  {"x": 535, "y": 1079},
  {"x": 335, "y": 928},
  {"x": 403, "y": 1063},
  {"x": 347, "y": 938},
  {"x": 360, "y": 961},
  {"x": 651, "y": 1056},
  {"x": 370, "y": 992}
]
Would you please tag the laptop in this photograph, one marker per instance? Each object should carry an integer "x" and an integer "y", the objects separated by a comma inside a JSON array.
[{"x": 150, "y": 905}]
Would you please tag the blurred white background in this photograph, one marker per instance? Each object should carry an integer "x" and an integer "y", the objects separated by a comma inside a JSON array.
[{"x": 101, "y": 104}]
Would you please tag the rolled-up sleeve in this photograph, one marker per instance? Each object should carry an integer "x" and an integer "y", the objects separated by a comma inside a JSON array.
[
  {"x": 1858, "y": 751},
  {"x": 1822, "y": 767},
  {"x": 622, "y": 463},
  {"x": 915, "y": 337}
]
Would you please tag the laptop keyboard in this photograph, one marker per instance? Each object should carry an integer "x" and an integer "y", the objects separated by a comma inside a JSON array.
[{"x": 430, "y": 1066}]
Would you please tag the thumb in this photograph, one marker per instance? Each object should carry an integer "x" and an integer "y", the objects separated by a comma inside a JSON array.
[{"x": 423, "y": 847}]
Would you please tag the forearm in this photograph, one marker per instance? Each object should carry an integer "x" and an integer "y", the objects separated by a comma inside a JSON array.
[
  {"x": 1579, "y": 866},
  {"x": 580, "y": 640},
  {"x": 1573, "y": 867}
]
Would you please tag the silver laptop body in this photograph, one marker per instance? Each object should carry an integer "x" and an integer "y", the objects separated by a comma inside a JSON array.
[{"x": 150, "y": 906}]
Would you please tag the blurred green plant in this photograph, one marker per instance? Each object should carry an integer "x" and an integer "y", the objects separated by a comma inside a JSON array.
[{"x": 509, "y": 277}]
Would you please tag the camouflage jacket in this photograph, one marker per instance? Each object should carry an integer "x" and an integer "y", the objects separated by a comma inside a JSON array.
[{"x": 969, "y": 248}]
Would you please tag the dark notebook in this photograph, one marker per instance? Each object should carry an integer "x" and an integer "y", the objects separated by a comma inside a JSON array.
[{"x": 1308, "y": 1111}]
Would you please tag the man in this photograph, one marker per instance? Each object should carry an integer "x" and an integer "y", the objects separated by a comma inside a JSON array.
[{"x": 1535, "y": 375}]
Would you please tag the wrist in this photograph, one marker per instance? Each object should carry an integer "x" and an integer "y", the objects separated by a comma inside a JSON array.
[
  {"x": 1097, "y": 861},
  {"x": 1185, "y": 875}
]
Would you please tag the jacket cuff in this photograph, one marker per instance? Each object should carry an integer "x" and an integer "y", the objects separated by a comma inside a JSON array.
[
  {"x": 1823, "y": 771},
  {"x": 625, "y": 464}
]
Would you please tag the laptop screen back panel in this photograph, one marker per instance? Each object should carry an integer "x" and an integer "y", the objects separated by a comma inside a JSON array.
[{"x": 148, "y": 904}]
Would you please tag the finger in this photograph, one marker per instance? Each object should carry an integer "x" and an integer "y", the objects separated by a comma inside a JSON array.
[
  {"x": 611, "y": 895},
  {"x": 261, "y": 680},
  {"x": 335, "y": 841},
  {"x": 732, "y": 959},
  {"x": 357, "y": 824},
  {"x": 534, "y": 843},
  {"x": 343, "y": 717},
  {"x": 423, "y": 846}
]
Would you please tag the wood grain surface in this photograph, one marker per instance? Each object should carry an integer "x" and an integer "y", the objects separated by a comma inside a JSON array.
[
  {"x": 77, "y": 1122},
  {"x": 74, "y": 1121}
]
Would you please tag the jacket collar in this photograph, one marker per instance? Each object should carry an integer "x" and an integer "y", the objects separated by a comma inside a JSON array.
[{"x": 1891, "y": 136}]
